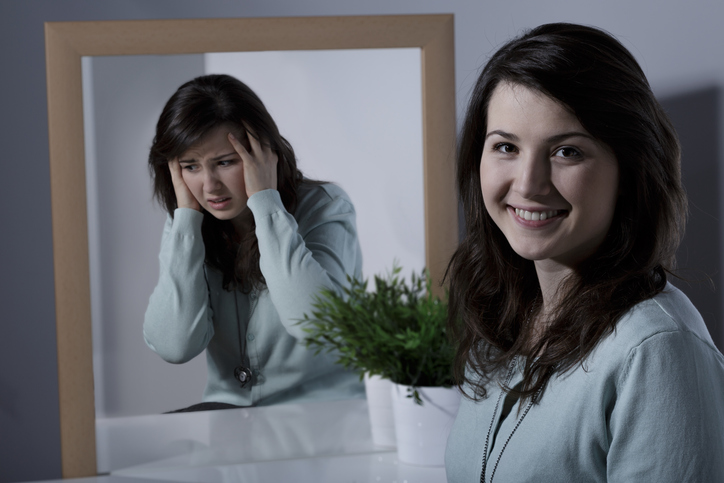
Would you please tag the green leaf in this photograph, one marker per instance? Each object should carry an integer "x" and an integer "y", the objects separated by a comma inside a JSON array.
[{"x": 397, "y": 331}]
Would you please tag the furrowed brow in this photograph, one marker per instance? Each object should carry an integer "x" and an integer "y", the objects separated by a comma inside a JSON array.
[{"x": 217, "y": 158}]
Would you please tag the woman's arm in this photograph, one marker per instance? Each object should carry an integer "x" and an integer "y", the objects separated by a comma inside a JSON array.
[
  {"x": 668, "y": 421},
  {"x": 298, "y": 255},
  {"x": 178, "y": 321},
  {"x": 298, "y": 258}
]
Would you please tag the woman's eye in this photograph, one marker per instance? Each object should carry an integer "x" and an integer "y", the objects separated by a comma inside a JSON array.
[
  {"x": 227, "y": 162},
  {"x": 505, "y": 148},
  {"x": 567, "y": 152},
  {"x": 190, "y": 167}
]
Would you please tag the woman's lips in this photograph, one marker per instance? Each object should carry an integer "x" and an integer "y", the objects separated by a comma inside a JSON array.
[
  {"x": 219, "y": 203},
  {"x": 536, "y": 215},
  {"x": 536, "y": 219}
]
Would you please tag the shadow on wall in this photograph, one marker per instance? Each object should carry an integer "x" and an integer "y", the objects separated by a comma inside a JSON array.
[{"x": 695, "y": 116}]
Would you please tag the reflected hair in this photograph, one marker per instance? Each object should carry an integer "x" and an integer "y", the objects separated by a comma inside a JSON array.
[
  {"x": 192, "y": 112},
  {"x": 494, "y": 291}
]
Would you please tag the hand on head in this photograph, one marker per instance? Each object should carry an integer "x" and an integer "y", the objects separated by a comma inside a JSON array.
[
  {"x": 260, "y": 163},
  {"x": 184, "y": 198}
]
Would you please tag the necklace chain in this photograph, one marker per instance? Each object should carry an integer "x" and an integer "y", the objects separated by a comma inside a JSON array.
[
  {"x": 241, "y": 372},
  {"x": 508, "y": 377}
]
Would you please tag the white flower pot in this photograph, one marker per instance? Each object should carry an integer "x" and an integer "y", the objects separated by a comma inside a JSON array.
[
  {"x": 379, "y": 402},
  {"x": 422, "y": 431}
]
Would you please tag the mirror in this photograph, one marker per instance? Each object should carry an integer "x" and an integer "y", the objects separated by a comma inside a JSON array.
[
  {"x": 67, "y": 42},
  {"x": 353, "y": 117}
]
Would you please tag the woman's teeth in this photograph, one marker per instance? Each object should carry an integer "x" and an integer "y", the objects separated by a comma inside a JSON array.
[{"x": 536, "y": 215}]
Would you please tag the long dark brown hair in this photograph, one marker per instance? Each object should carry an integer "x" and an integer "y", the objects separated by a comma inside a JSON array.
[
  {"x": 192, "y": 112},
  {"x": 494, "y": 291}
]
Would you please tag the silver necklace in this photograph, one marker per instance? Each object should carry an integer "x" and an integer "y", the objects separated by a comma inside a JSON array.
[
  {"x": 242, "y": 373},
  {"x": 508, "y": 377}
]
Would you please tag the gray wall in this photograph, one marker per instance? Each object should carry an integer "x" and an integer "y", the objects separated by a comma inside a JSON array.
[
  {"x": 123, "y": 97},
  {"x": 677, "y": 43}
]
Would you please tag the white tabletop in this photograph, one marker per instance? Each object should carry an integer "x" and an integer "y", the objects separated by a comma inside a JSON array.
[{"x": 313, "y": 442}]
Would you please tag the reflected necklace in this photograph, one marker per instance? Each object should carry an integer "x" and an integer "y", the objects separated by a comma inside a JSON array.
[
  {"x": 509, "y": 376},
  {"x": 241, "y": 372}
]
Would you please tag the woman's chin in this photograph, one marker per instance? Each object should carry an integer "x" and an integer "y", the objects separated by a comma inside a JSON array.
[
  {"x": 531, "y": 253},
  {"x": 228, "y": 214}
]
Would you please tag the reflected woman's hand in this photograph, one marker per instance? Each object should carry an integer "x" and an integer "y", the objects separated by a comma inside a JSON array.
[
  {"x": 184, "y": 198},
  {"x": 260, "y": 163}
]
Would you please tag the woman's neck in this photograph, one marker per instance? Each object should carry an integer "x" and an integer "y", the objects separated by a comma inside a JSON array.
[
  {"x": 243, "y": 223},
  {"x": 551, "y": 277}
]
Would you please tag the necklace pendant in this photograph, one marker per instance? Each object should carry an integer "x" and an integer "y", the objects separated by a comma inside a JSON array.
[{"x": 243, "y": 375}]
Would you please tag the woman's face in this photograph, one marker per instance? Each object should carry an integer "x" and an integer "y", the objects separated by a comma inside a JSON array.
[
  {"x": 547, "y": 183},
  {"x": 214, "y": 173}
]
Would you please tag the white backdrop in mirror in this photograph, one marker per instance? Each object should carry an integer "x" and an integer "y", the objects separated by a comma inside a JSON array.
[{"x": 353, "y": 117}]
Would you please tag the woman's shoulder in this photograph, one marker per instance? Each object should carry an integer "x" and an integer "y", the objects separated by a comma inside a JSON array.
[
  {"x": 315, "y": 195},
  {"x": 669, "y": 317},
  {"x": 668, "y": 311}
]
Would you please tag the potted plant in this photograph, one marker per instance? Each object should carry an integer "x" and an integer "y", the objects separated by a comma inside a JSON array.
[{"x": 396, "y": 332}]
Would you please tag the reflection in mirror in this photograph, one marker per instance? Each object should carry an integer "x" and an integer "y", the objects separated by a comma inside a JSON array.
[{"x": 353, "y": 117}]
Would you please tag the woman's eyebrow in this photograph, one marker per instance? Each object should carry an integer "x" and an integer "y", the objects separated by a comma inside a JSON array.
[
  {"x": 551, "y": 139},
  {"x": 571, "y": 134},
  {"x": 217, "y": 158},
  {"x": 224, "y": 155},
  {"x": 503, "y": 134}
]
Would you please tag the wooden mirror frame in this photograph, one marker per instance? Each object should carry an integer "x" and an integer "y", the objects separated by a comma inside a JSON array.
[{"x": 66, "y": 42}]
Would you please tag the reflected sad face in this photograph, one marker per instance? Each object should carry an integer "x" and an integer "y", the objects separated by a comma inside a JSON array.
[
  {"x": 547, "y": 183},
  {"x": 214, "y": 173}
]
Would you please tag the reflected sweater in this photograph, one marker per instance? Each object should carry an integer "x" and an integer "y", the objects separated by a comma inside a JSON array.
[
  {"x": 189, "y": 311},
  {"x": 647, "y": 405}
]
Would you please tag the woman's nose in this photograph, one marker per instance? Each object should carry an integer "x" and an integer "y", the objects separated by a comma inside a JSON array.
[
  {"x": 211, "y": 180},
  {"x": 533, "y": 177}
]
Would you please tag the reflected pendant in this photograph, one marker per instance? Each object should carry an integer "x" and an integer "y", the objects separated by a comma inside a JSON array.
[{"x": 243, "y": 375}]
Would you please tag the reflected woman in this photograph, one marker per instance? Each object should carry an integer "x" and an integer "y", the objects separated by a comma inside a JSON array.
[
  {"x": 247, "y": 244},
  {"x": 580, "y": 360}
]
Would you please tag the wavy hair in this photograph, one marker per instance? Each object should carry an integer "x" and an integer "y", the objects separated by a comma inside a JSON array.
[
  {"x": 192, "y": 112},
  {"x": 494, "y": 291}
]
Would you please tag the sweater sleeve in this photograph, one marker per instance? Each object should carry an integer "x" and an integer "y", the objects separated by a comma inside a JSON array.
[
  {"x": 178, "y": 321},
  {"x": 297, "y": 260},
  {"x": 668, "y": 421}
]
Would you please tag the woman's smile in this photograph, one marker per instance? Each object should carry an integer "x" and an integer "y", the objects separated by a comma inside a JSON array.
[
  {"x": 548, "y": 185},
  {"x": 537, "y": 216}
]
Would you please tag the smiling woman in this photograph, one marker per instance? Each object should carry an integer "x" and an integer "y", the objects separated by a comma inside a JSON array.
[
  {"x": 547, "y": 183},
  {"x": 247, "y": 244},
  {"x": 580, "y": 361}
]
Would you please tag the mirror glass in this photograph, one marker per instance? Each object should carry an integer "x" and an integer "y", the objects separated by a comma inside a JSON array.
[{"x": 353, "y": 117}]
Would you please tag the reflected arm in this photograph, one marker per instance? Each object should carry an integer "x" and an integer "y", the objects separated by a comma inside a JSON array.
[
  {"x": 301, "y": 254},
  {"x": 178, "y": 322}
]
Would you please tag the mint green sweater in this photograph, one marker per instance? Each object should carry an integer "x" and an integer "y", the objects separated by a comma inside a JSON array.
[
  {"x": 190, "y": 312},
  {"x": 647, "y": 406}
]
